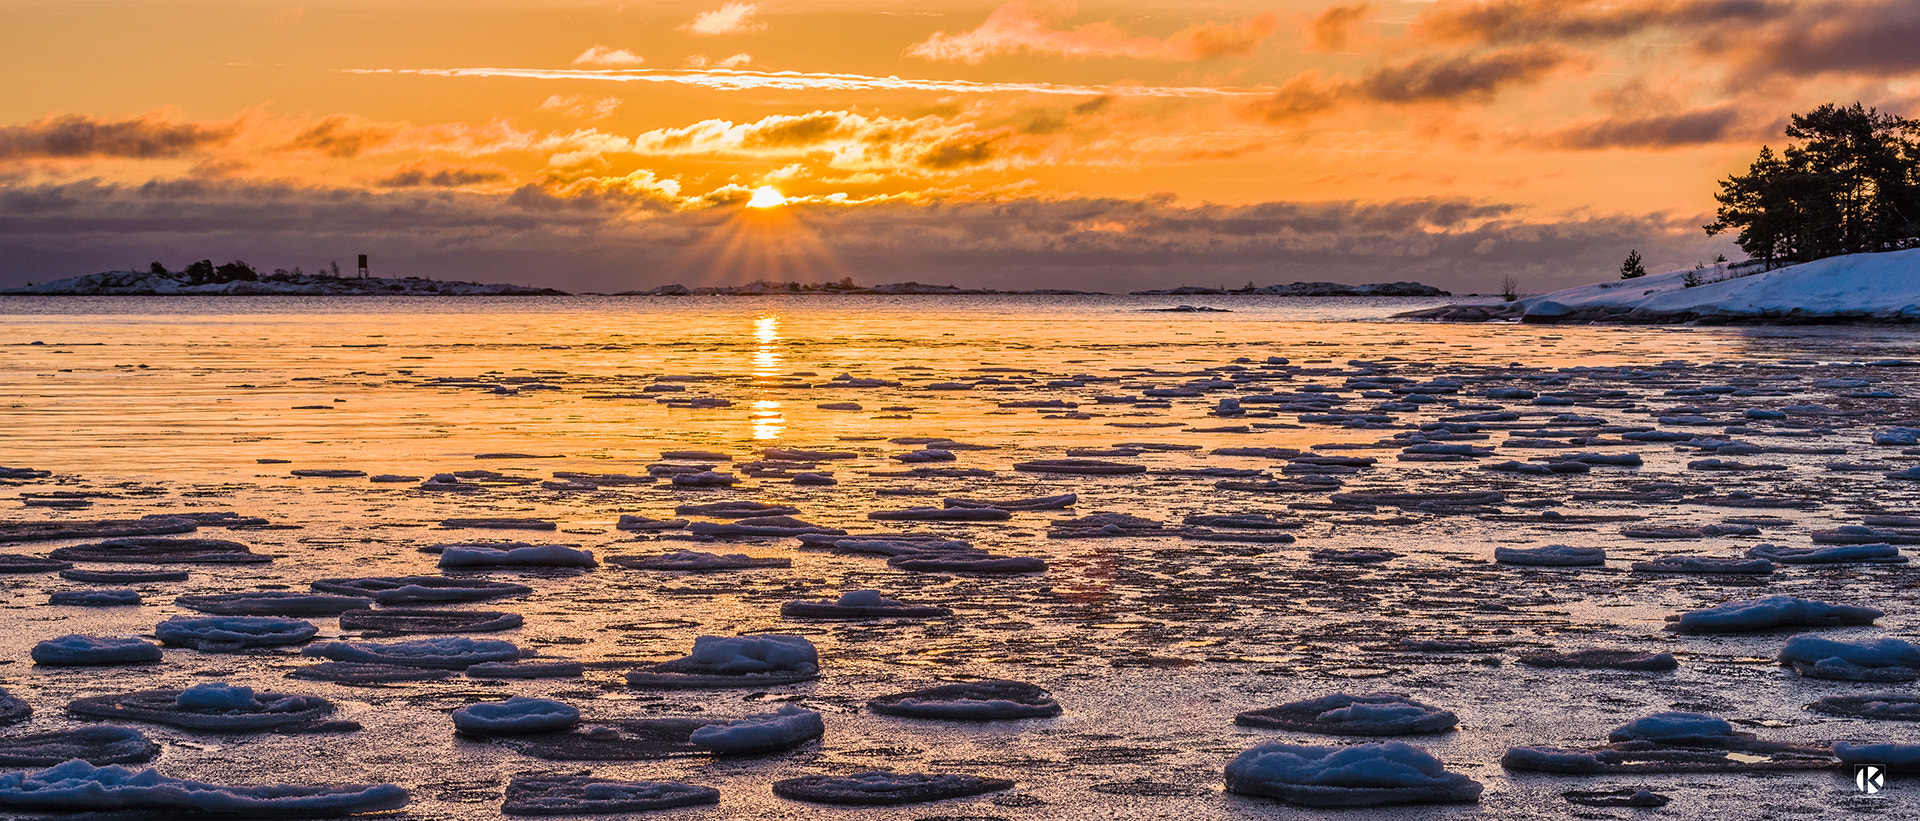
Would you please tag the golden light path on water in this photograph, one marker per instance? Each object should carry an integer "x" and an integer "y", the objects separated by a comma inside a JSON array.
[{"x": 1152, "y": 643}]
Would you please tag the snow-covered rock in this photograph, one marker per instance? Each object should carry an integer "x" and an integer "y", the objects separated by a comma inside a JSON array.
[{"x": 1391, "y": 772}]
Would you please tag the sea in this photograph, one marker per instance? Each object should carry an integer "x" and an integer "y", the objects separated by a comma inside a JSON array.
[{"x": 1152, "y": 633}]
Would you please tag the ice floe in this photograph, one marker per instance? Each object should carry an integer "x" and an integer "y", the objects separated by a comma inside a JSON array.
[
  {"x": 420, "y": 589},
  {"x": 95, "y": 598},
  {"x": 409, "y": 620},
  {"x": 77, "y": 651},
  {"x": 1878, "y": 706},
  {"x": 583, "y": 795},
  {"x": 548, "y": 555},
  {"x": 1671, "y": 742},
  {"x": 886, "y": 788},
  {"x": 1881, "y": 659},
  {"x": 781, "y": 729},
  {"x": 1391, "y": 772},
  {"x": 1837, "y": 554},
  {"x": 735, "y": 661},
  {"x": 1342, "y": 714},
  {"x": 79, "y": 786},
  {"x": 446, "y": 652},
  {"x": 761, "y": 526},
  {"x": 514, "y": 716},
  {"x": 158, "y": 550},
  {"x": 1704, "y": 564},
  {"x": 1600, "y": 658},
  {"x": 1771, "y": 613},
  {"x": 271, "y": 603},
  {"x": 860, "y": 604},
  {"x": 699, "y": 562},
  {"x": 995, "y": 700},
  {"x": 99, "y": 744},
  {"x": 94, "y": 576},
  {"x": 215, "y": 706},
  {"x": 543, "y": 668},
  {"x": 221, "y": 633},
  {"x": 966, "y": 563},
  {"x": 1553, "y": 555}
]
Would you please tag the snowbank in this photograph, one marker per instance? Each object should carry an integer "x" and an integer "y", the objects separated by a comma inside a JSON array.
[{"x": 1856, "y": 286}]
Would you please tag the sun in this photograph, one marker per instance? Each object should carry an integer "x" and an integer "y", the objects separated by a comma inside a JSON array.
[{"x": 766, "y": 196}]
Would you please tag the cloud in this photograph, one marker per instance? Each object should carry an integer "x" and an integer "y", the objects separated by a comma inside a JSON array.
[
  {"x": 1333, "y": 27},
  {"x": 596, "y": 233},
  {"x": 732, "y": 18},
  {"x": 580, "y": 105},
  {"x": 1461, "y": 76},
  {"x": 432, "y": 175},
  {"x": 1872, "y": 40},
  {"x": 1441, "y": 79},
  {"x": 608, "y": 56},
  {"x": 1533, "y": 21},
  {"x": 344, "y": 136},
  {"x": 1016, "y": 27},
  {"x": 153, "y": 135},
  {"x": 1704, "y": 126},
  {"x": 743, "y": 80}
]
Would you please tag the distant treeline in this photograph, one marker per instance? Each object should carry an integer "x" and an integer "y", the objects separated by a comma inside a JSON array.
[
  {"x": 1852, "y": 185},
  {"x": 205, "y": 272}
]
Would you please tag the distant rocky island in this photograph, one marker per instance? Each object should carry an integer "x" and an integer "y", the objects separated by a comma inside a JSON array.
[
  {"x": 280, "y": 283},
  {"x": 1306, "y": 289},
  {"x": 154, "y": 283},
  {"x": 845, "y": 286}
]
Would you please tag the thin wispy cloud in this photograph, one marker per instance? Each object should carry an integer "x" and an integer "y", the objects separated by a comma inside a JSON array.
[
  {"x": 1016, "y": 27},
  {"x": 740, "y": 80}
]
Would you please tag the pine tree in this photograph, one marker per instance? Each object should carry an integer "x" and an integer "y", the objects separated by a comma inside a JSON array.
[
  {"x": 1632, "y": 268},
  {"x": 1852, "y": 186}
]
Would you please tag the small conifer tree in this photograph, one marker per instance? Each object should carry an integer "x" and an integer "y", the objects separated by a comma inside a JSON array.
[{"x": 1633, "y": 268}]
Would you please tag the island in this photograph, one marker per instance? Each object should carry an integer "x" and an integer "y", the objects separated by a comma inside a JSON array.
[
  {"x": 178, "y": 283},
  {"x": 1847, "y": 289},
  {"x": 1306, "y": 289}
]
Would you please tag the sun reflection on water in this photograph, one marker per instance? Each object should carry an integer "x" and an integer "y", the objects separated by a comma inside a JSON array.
[{"x": 768, "y": 421}]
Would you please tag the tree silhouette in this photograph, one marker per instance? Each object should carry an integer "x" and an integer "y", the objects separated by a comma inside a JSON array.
[
  {"x": 1851, "y": 186},
  {"x": 1632, "y": 268}
]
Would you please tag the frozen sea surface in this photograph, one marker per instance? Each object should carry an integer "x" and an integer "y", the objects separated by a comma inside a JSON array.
[{"x": 1351, "y": 434}]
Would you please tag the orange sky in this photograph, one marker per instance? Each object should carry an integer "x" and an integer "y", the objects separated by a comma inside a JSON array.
[{"x": 1103, "y": 146}]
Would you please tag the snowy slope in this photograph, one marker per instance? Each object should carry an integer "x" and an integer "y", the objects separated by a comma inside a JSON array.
[{"x": 1866, "y": 286}]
